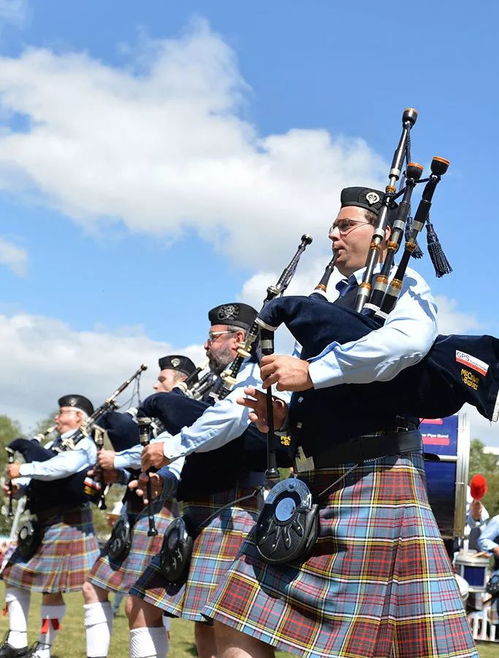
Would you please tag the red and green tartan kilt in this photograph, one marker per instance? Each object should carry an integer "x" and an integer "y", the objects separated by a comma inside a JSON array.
[
  {"x": 63, "y": 559},
  {"x": 378, "y": 583},
  {"x": 120, "y": 576},
  {"x": 214, "y": 550}
]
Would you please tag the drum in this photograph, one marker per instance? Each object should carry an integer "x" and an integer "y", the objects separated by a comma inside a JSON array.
[
  {"x": 473, "y": 569},
  {"x": 446, "y": 442}
]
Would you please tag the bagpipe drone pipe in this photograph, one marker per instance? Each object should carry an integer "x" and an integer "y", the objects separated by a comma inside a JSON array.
[
  {"x": 456, "y": 370},
  {"x": 215, "y": 470}
]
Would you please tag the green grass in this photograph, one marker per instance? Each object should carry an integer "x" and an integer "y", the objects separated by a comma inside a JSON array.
[{"x": 70, "y": 642}]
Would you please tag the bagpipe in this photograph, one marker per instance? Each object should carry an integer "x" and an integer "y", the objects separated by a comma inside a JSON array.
[
  {"x": 217, "y": 470},
  {"x": 458, "y": 369},
  {"x": 69, "y": 491}
]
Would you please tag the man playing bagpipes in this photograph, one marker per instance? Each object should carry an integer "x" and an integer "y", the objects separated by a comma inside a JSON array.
[
  {"x": 138, "y": 534},
  {"x": 218, "y": 489},
  {"x": 373, "y": 578},
  {"x": 56, "y": 551}
]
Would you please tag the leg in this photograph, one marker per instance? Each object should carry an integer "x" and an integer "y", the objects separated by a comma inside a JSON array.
[
  {"x": 98, "y": 619},
  {"x": 205, "y": 640},
  {"x": 52, "y": 612},
  {"x": 17, "y": 601},
  {"x": 233, "y": 644},
  {"x": 148, "y": 636}
]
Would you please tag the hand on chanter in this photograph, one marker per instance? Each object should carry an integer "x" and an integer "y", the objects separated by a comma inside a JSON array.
[
  {"x": 257, "y": 401},
  {"x": 13, "y": 470},
  {"x": 287, "y": 373},
  {"x": 153, "y": 456},
  {"x": 105, "y": 459},
  {"x": 140, "y": 486}
]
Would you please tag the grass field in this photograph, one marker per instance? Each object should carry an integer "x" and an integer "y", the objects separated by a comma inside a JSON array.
[{"x": 71, "y": 640}]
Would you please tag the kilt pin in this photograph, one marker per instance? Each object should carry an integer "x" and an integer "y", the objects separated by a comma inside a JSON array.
[
  {"x": 119, "y": 576},
  {"x": 214, "y": 550},
  {"x": 378, "y": 583},
  {"x": 64, "y": 558}
]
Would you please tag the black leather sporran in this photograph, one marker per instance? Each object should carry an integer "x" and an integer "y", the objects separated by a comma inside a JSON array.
[
  {"x": 119, "y": 543},
  {"x": 288, "y": 525},
  {"x": 29, "y": 538},
  {"x": 176, "y": 551}
]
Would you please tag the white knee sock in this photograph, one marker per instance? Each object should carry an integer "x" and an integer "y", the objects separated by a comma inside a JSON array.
[
  {"x": 98, "y": 619},
  {"x": 148, "y": 642},
  {"x": 51, "y": 622},
  {"x": 17, "y": 601}
]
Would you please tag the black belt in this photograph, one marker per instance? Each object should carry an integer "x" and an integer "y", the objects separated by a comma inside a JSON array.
[{"x": 369, "y": 446}]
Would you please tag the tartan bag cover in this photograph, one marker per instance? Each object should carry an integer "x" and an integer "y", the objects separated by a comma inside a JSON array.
[{"x": 378, "y": 583}]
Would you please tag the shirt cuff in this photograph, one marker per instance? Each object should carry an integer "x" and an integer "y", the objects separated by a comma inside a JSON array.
[
  {"x": 326, "y": 373},
  {"x": 25, "y": 470},
  {"x": 173, "y": 448}
]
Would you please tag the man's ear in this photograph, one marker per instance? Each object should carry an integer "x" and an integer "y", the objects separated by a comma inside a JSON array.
[{"x": 388, "y": 232}]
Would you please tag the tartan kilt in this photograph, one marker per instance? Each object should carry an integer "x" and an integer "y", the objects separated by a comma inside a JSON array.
[
  {"x": 214, "y": 550},
  {"x": 116, "y": 576},
  {"x": 65, "y": 556},
  {"x": 378, "y": 583}
]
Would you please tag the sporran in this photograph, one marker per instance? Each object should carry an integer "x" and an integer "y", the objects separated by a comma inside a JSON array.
[
  {"x": 288, "y": 525},
  {"x": 119, "y": 543},
  {"x": 176, "y": 551},
  {"x": 29, "y": 538}
]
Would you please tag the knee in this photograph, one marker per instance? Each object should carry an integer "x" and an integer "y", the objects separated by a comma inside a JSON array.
[{"x": 93, "y": 594}]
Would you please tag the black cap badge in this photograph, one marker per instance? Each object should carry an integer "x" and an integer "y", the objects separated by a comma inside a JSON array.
[
  {"x": 372, "y": 198},
  {"x": 228, "y": 312}
]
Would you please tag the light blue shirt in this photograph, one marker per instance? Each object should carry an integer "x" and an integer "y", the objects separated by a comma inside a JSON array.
[
  {"x": 219, "y": 424},
  {"x": 64, "y": 463},
  {"x": 489, "y": 535},
  {"x": 404, "y": 339}
]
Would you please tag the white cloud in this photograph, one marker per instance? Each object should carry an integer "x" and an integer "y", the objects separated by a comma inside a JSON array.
[
  {"x": 161, "y": 146},
  {"x": 453, "y": 321},
  {"x": 13, "y": 257},
  {"x": 43, "y": 358}
]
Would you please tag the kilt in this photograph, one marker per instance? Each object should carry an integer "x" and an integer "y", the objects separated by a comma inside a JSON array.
[
  {"x": 63, "y": 559},
  {"x": 120, "y": 576},
  {"x": 378, "y": 583},
  {"x": 214, "y": 550}
]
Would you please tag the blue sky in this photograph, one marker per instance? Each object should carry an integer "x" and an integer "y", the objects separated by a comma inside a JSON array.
[{"x": 159, "y": 158}]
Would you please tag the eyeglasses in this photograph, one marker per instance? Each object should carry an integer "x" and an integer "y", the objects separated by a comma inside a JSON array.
[
  {"x": 344, "y": 226},
  {"x": 213, "y": 335}
]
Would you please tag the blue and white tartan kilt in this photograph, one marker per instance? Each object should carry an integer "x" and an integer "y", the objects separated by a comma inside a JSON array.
[
  {"x": 378, "y": 583},
  {"x": 64, "y": 558},
  {"x": 214, "y": 550},
  {"x": 116, "y": 576}
]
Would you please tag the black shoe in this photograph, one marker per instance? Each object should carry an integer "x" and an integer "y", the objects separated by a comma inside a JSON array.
[
  {"x": 8, "y": 651},
  {"x": 34, "y": 647}
]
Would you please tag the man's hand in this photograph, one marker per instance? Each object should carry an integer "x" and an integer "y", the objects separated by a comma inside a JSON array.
[
  {"x": 287, "y": 372},
  {"x": 153, "y": 455},
  {"x": 110, "y": 476},
  {"x": 140, "y": 486},
  {"x": 13, "y": 470},
  {"x": 105, "y": 459},
  {"x": 257, "y": 401},
  {"x": 10, "y": 489}
]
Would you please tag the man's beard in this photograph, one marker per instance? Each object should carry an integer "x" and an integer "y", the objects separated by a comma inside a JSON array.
[{"x": 219, "y": 361}]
